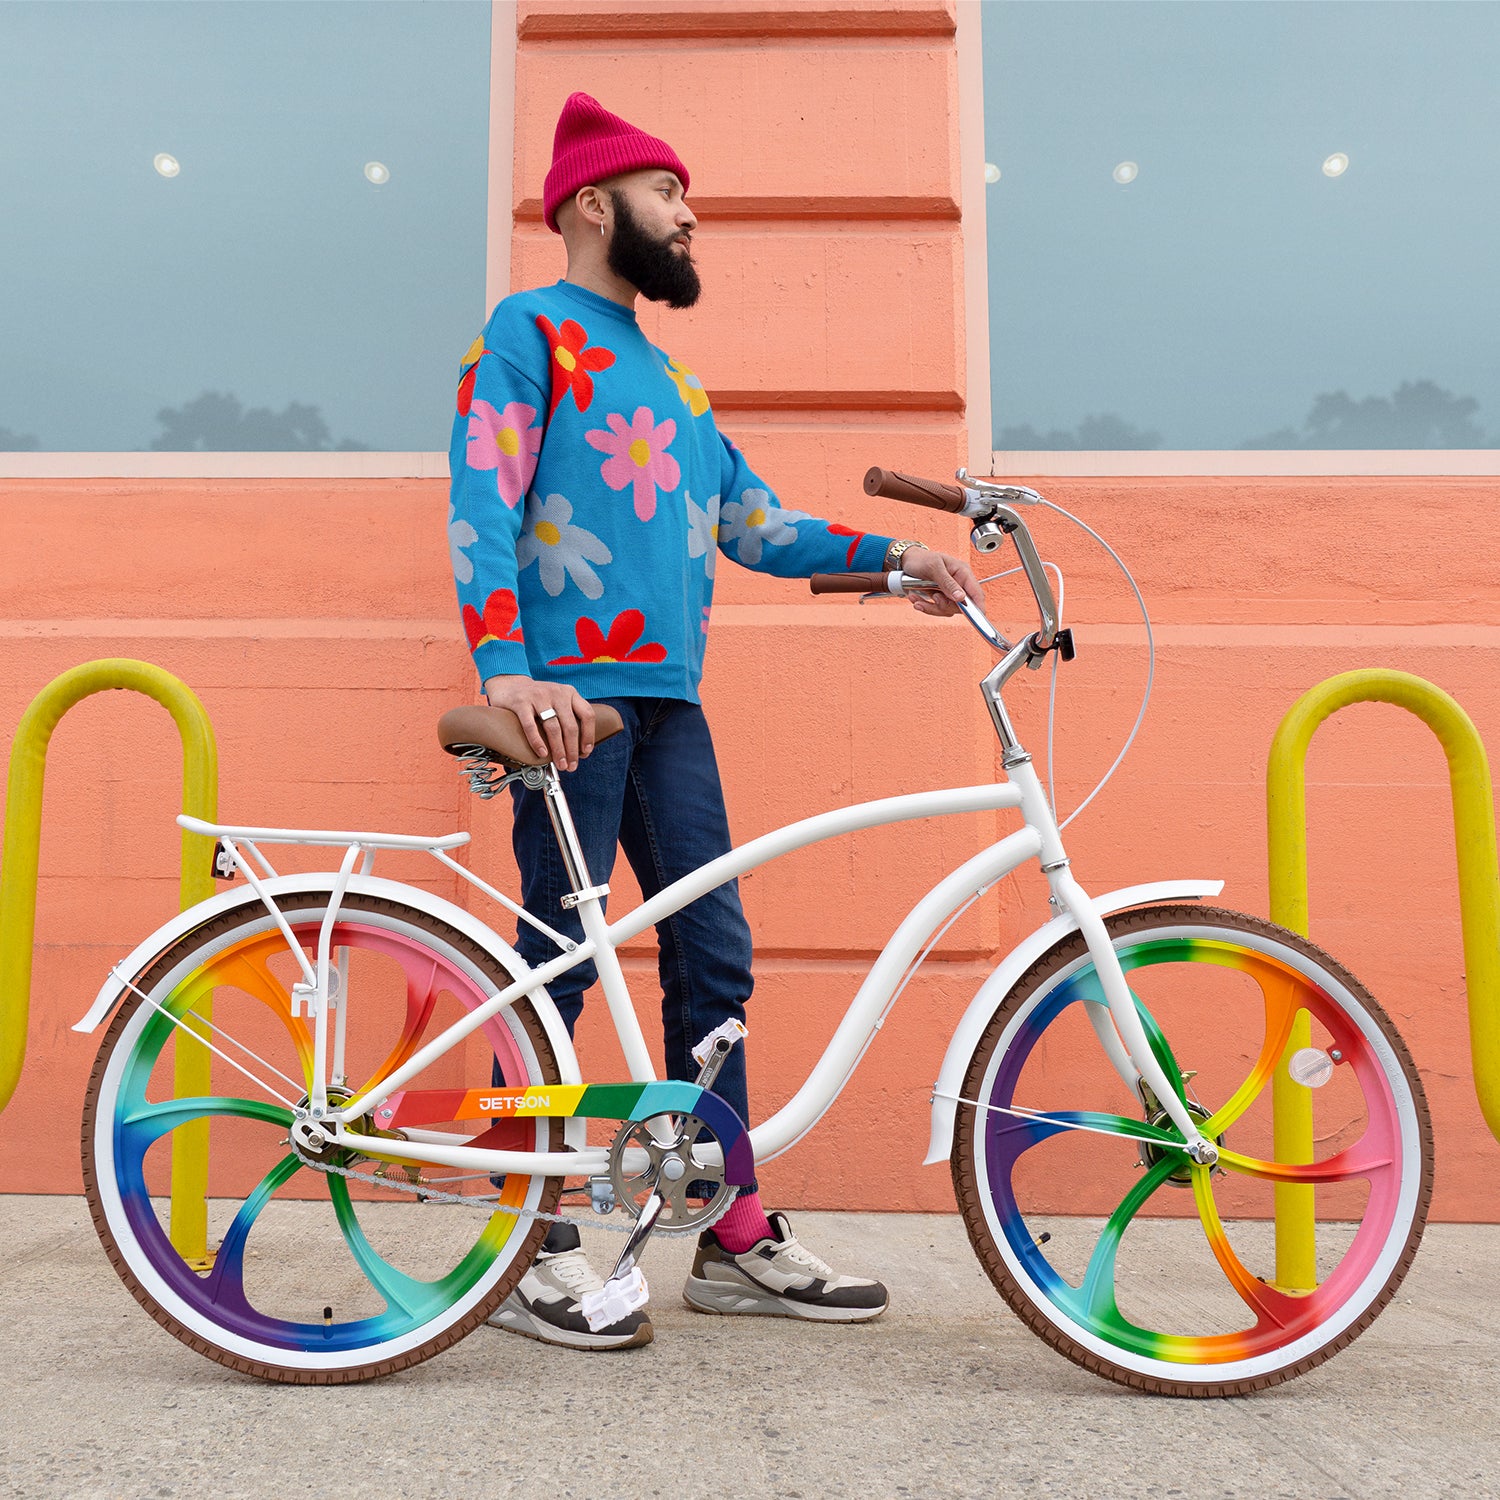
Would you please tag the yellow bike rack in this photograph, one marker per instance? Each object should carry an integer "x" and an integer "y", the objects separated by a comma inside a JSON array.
[
  {"x": 18, "y": 885},
  {"x": 1479, "y": 907}
]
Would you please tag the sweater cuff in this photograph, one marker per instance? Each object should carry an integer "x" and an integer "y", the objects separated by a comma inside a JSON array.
[
  {"x": 495, "y": 658},
  {"x": 869, "y": 556}
]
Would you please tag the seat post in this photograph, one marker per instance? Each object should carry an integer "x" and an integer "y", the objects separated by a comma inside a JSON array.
[{"x": 567, "y": 835}]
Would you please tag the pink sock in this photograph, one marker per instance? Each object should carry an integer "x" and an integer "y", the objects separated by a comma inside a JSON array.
[{"x": 743, "y": 1225}]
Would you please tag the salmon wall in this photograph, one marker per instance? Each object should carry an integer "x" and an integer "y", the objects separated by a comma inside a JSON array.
[{"x": 315, "y": 618}]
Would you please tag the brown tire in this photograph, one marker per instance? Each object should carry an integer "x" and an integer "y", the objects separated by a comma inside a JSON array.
[
  {"x": 1049, "y": 1131},
  {"x": 404, "y": 1286}
]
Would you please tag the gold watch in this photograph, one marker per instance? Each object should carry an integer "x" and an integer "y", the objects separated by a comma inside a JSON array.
[{"x": 895, "y": 552}]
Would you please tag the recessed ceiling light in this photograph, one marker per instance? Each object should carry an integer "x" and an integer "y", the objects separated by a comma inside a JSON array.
[
  {"x": 166, "y": 166},
  {"x": 377, "y": 172},
  {"x": 1336, "y": 165},
  {"x": 1127, "y": 171},
  {"x": 991, "y": 172}
]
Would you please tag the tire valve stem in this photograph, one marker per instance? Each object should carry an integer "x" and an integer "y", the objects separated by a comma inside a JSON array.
[
  {"x": 1042, "y": 1239},
  {"x": 327, "y": 1322}
]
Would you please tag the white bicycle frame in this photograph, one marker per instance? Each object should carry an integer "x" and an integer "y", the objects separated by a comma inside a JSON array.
[{"x": 1116, "y": 1024}]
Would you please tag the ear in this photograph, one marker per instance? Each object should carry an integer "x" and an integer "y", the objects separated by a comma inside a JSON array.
[{"x": 591, "y": 206}]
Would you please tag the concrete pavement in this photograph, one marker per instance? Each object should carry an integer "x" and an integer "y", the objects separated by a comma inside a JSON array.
[{"x": 947, "y": 1395}]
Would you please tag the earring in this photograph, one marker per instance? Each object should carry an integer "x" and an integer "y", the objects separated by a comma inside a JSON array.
[{"x": 601, "y": 229}]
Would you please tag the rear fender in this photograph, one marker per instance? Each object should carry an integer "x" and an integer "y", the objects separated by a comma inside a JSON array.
[{"x": 994, "y": 990}]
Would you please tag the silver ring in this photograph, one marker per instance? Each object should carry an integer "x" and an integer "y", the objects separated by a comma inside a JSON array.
[{"x": 547, "y": 713}]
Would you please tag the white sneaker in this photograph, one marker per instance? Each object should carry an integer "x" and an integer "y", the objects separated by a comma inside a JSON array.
[
  {"x": 778, "y": 1277},
  {"x": 547, "y": 1304}
]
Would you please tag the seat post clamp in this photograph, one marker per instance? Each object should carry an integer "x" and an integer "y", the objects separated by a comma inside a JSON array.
[{"x": 573, "y": 898}]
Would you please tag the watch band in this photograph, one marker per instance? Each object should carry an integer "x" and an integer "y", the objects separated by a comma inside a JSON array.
[{"x": 896, "y": 551}]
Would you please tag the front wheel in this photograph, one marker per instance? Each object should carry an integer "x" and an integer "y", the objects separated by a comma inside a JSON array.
[
  {"x": 1175, "y": 1282},
  {"x": 326, "y": 1270}
]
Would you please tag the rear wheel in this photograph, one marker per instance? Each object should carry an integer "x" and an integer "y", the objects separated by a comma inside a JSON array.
[
  {"x": 318, "y": 1277},
  {"x": 1174, "y": 1283}
]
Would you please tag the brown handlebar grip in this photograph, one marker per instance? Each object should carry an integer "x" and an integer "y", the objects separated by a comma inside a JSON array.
[
  {"x": 848, "y": 583},
  {"x": 929, "y": 492}
]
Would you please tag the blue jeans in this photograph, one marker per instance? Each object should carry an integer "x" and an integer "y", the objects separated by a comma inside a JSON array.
[{"x": 652, "y": 790}]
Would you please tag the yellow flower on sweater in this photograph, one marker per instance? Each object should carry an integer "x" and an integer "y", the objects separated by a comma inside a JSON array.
[{"x": 689, "y": 387}]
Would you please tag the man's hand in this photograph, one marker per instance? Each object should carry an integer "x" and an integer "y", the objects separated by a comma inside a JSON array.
[
  {"x": 950, "y": 576},
  {"x": 565, "y": 738}
]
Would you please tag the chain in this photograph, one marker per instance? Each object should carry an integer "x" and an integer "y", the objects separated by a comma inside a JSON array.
[{"x": 490, "y": 1206}]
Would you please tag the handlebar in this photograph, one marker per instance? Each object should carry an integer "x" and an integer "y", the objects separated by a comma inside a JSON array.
[
  {"x": 929, "y": 492},
  {"x": 990, "y": 507}
]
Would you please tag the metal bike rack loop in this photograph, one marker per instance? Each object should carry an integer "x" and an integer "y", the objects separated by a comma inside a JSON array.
[
  {"x": 18, "y": 890},
  {"x": 1479, "y": 908}
]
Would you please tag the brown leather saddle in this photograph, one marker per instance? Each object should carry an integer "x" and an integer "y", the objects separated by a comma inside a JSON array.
[{"x": 478, "y": 731}]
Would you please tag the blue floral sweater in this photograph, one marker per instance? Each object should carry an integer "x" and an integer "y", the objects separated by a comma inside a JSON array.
[{"x": 591, "y": 496}]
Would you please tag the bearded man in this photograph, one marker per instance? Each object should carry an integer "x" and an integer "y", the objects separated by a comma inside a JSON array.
[{"x": 592, "y": 494}]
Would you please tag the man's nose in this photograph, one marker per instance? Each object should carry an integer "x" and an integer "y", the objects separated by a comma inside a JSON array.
[{"x": 686, "y": 218}]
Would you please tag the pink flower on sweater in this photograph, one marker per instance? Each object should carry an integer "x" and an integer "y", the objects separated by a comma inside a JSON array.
[
  {"x": 506, "y": 442},
  {"x": 637, "y": 456}
]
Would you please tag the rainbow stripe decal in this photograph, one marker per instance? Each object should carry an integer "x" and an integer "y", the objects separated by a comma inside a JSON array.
[
  {"x": 594, "y": 1101},
  {"x": 1275, "y": 1318}
]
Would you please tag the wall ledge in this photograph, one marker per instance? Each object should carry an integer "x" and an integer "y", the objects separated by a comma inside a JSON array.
[{"x": 727, "y": 20}]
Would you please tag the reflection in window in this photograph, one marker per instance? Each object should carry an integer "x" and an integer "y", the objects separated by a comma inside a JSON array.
[
  {"x": 1247, "y": 224},
  {"x": 240, "y": 226}
]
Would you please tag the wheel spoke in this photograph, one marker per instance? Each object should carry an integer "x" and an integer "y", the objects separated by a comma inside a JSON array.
[
  {"x": 247, "y": 970},
  {"x": 1272, "y": 1309},
  {"x": 149, "y": 1122},
  {"x": 1282, "y": 992},
  {"x": 417, "y": 1299},
  {"x": 1361, "y": 1160},
  {"x": 1098, "y": 1290},
  {"x": 422, "y": 990},
  {"x": 226, "y": 1282}
]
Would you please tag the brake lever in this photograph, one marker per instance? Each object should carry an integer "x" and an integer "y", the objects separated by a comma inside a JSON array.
[{"x": 921, "y": 587}]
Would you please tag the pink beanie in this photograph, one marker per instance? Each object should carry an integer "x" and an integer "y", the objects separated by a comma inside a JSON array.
[{"x": 592, "y": 144}]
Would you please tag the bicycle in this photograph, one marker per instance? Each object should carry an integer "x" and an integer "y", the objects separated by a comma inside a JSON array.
[{"x": 367, "y": 1016}]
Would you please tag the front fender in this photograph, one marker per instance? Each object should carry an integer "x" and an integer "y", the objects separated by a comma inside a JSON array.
[
  {"x": 113, "y": 989},
  {"x": 994, "y": 990}
]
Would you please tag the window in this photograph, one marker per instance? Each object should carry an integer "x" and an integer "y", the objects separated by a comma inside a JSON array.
[
  {"x": 240, "y": 226},
  {"x": 1242, "y": 225}
]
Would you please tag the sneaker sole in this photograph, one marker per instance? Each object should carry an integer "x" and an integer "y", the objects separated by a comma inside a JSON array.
[
  {"x": 510, "y": 1321},
  {"x": 742, "y": 1299}
]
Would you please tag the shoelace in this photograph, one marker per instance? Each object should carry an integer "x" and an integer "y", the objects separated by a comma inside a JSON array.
[
  {"x": 800, "y": 1255},
  {"x": 573, "y": 1270}
]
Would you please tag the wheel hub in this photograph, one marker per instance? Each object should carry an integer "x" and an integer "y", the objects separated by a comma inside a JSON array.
[{"x": 1181, "y": 1175}]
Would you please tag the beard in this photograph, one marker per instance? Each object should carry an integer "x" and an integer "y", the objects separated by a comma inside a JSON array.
[{"x": 657, "y": 270}]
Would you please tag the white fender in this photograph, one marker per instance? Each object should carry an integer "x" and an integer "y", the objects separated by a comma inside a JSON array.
[
  {"x": 364, "y": 885},
  {"x": 994, "y": 990}
]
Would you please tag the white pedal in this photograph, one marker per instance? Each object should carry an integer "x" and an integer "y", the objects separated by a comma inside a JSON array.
[
  {"x": 617, "y": 1298},
  {"x": 733, "y": 1030}
]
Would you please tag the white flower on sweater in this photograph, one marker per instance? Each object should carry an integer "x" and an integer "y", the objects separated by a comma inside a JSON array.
[
  {"x": 752, "y": 522},
  {"x": 461, "y": 535},
  {"x": 559, "y": 549},
  {"x": 703, "y": 531}
]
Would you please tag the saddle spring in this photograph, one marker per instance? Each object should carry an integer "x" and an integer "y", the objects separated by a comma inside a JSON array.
[{"x": 481, "y": 770}]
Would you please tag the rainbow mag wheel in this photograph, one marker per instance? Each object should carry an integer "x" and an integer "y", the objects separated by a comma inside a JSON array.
[
  {"x": 1127, "y": 1257},
  {"x": 316, "y": 1277}
]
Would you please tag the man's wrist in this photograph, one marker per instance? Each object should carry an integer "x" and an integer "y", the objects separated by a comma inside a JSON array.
[{"x": 895, "y": 552}]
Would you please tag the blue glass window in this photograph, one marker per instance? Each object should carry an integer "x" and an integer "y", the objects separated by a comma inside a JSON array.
[
  {"x": 240, "y": 226},
  {"x": 1243, "y": 223}
]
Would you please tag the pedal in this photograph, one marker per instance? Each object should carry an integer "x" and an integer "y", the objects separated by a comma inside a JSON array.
[
  {"x": 711, "y": 1052},
  {"x": 616, "y": 1299}
]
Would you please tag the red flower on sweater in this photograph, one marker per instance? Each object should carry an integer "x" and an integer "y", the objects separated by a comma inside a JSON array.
[
  {"x": 573, "y": 365},
  {"x": 619, "y": 645},
  {"x": 858, "y": 536},
  {"x": 497, "y": 623}
]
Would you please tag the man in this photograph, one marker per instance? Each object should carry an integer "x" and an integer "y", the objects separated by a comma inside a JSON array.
[{"x": 592, "y": 493}]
